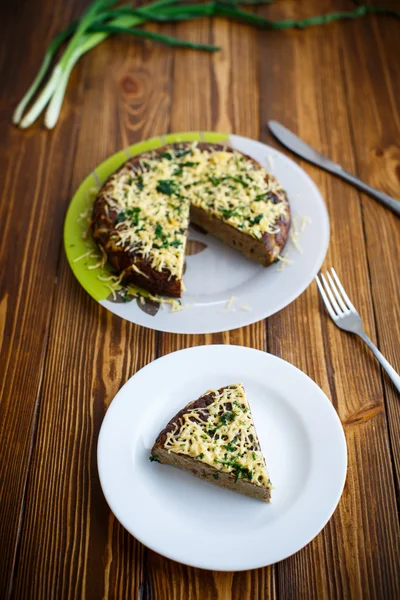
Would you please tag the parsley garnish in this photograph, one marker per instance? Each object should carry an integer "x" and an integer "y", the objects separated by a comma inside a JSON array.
[
  {"x": 125, "y": 296},
  {"x": 176, "y": 243},
  {"x": 240, "y": 470},
  {"x": 256, "y": 219},
  {"x": 166, "y": 155},
  {"x": 200, "y": 456},
  {"x": 130, "y": 213},
  {"x": 238, "y": 179},
  {"x": 214, "y": 180},
  {"x": 139, "y": 182},
  {"x": 230, "y": 447},
  {"x": 153, "y": 458},
  {"x": 241, "y": 406},
  {"x": 159, "y": 231},
  {"x": 166, "y": 186},
  {"x": 227, "y": 213},
  {"x": 254, "y": 456},
  {"x": 228, "y": 416},
  {"x": 182, "y": 152}
]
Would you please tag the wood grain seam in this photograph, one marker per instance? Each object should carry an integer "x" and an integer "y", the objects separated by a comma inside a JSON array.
[
  {"x": 374, "y": 312},
  {"x": 36, "y": 413}
]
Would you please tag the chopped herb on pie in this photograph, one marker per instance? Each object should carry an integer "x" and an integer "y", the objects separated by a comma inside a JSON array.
[
  {"x": 214, "y": 438},
  {"x": 142, "y": 213}
]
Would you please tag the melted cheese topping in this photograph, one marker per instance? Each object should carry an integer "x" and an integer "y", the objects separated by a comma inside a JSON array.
[
  {"x": 222, "y": 435},
  {"x": 152, "y": 200}
]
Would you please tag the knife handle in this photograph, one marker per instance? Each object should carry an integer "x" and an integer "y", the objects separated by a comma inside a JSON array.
[{"x": 384, "y": 199}]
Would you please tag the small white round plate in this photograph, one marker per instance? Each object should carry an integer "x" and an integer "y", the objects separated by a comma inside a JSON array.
[
  {"x": 193, "y": 521},
  {"x": 224, "y": 290}
]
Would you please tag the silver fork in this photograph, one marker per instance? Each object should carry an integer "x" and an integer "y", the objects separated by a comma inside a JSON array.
[{"x": 345, "y": 316}]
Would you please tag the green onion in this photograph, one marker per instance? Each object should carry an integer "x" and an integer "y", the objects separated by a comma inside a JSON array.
[{"x": 101, "y": 19}]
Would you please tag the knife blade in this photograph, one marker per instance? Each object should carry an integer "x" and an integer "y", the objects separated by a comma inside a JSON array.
[{"x": 296, "y": 145}]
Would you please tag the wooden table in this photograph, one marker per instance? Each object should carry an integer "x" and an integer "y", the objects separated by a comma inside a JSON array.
[{"x": 63, "y": 357}]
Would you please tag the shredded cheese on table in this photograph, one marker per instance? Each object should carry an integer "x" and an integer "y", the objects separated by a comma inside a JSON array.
[
  {"x": 222, "y": 435},
  {"x": 151, "y": 201}
]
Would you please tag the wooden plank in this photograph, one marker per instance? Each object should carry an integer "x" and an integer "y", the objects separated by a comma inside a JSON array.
[
  {"x": 375, "y": 128},
  {"x": 363, "y": 531},
  {"x": 233, "y": 96},
  {"x": 30, "y": 225},
  {"x": 71, "y": 546}
]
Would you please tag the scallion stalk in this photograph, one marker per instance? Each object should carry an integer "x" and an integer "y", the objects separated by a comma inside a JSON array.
[{"x": 102, "y": 19}]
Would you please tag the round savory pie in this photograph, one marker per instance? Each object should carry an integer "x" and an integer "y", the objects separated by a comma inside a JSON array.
[{"x": 142, "y": 213}]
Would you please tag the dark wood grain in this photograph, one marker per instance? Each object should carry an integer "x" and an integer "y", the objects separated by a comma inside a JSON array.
[
  {"x": 63, "y": 358},
  {"x": 79, "y": 549},
  {"x": 31, "y": 215},
  {"x": 336, "y": 358},
  {"x": 377, "y": 161}
]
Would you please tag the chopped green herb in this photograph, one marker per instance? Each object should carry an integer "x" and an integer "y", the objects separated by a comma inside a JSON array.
[
  {"x": 216, "y": 476},
  {"x": 230, "y": 447},
  {"x": 228, "y": 416},
  {"x": 130, "y": 213},
  {"x": 130, "y": 180},
  {"x": 182, "y": 152},
  {"x": 166, "y": 155},
  {"x": 176, "y": 243},
  {"x": 178, "y": 170},
  {"x": 227, "y": 213},
  {"x": 238, "y": 179},
  {"x": 166, "y": 186},
  {"x": 125, "y": 296},
  {"x": 214, "y": 180},
  {"x": 240, "y": 470},
  {"x": 241, "y": 406},
  {"x": 200, "y": 456},
  {"x": 256, "y": 219},
  {"x": 139, "y": 182},
  {"x": 153, "y": 458},
  {"x": 159, "y": 231},
  {"x": 254, "y": 456}
]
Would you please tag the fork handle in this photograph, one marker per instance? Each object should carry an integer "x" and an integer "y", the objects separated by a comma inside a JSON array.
[{"x": 395, "y": 377}]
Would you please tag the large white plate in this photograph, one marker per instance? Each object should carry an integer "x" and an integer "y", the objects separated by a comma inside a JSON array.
[
  {"x": 198, "y": 523},
  {"x": 218, "y": 273}
]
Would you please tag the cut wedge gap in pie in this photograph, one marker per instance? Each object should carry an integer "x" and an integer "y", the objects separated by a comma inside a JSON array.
[
  {"x": 142, "y": 213},
  {"x": 214, "y": 438}
]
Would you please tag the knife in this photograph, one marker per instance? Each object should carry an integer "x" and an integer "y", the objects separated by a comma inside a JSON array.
[{"x": 296, "y": 145}]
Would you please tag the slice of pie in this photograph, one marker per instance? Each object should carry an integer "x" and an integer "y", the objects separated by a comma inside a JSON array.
[
  {"x": 142, "y": 213},
  {"x": 214, "y": 438}
]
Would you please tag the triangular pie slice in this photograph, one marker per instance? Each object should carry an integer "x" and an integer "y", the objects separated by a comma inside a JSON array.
[
  {"x": 215, "y": 439},
  {"x": 142, "y": 212}
]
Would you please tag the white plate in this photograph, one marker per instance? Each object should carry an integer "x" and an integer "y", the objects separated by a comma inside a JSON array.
[
  {"x": 217, "y": 273},
  {"x": 195, "y": 522}
]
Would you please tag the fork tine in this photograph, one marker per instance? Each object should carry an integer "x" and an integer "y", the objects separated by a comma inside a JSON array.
[
  {"x": 331, "y": 296},
  {"x": 336, "y": 293},
  {"x": 341, "y": 288},
  {"x": 325, "y": 299}
]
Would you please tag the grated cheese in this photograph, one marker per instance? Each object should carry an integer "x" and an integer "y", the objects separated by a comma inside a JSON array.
[
  {"x": 229, "y": 306},
  {"x": 152, "y": 201},
  {"x": 222, "y": 435}
]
